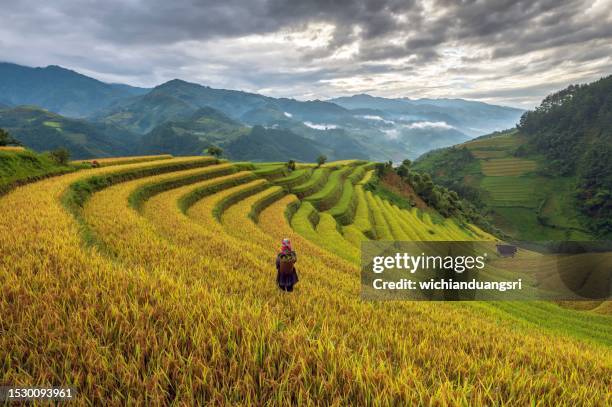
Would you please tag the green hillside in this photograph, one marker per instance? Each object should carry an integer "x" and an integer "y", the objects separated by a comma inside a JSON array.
[
  {"x": 42, "y": 130},
  {"x": 143, "y": 114},
  {"x": 20, "y": 166},
  {"x": 550, "y": 178},
  {"x": 262, "y": 144},
  {"x": 204, "y": 127},
  {"x": 59, "y": 90},
  {"x": 572, "y": 129},
  {"x": 523, "y": 201}
]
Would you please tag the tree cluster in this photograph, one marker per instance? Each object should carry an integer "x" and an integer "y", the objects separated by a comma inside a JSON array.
[
  {"x": 7, "y": 140},
  {"x": 573, "y": 130},
  {"x": 444, "y": 200}
]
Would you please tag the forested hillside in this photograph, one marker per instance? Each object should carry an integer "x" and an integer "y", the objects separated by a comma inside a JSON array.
[
  {"x": 548, "y": 179},
  {"x": 42, "y": 130},
  {"x": 573, "y": 130}
]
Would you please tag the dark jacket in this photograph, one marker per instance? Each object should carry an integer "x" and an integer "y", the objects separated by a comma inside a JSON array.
[{"x": 286, "y": 277}]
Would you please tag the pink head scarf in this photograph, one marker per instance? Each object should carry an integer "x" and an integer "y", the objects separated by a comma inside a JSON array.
[{"x": 286, "y": 245}]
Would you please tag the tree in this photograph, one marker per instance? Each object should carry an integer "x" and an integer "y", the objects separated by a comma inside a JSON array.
[
  {"x": 60, "y": 156},
  {"x": 383, "y": 169},
  {"x": 214, "y": 151},
  {"x": 6, "y": 139},
  {"x": 321, "y": 160},
  {"x": 291, "y": 165},
  {"x": 404, "y": 170}
]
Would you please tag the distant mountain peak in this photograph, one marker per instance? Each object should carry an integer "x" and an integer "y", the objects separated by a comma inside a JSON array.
[
  {"x": 174, "y": 83},
  {"x": 59, "y": 89}
]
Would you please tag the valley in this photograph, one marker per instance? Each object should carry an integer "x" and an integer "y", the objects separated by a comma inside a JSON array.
[{"x": 93, "y": 119}]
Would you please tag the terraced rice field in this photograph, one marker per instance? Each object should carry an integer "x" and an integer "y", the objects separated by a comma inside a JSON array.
[
  {"x": 512, "y": 191},
  {"x": 486, "y": 154},
  {"x": 502, "y": 142},
  {"x": 105, "y": 162},
  {"x": 153, "y": 283},
  {"x": 503, "y": 167}
]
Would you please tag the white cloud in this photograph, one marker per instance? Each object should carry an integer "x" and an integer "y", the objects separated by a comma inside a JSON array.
[
  {"x": 321, "y": 126},
  {"x": 287, "y": 114},
  {"x": 497, "y": 52},
  {"x": 376, "y": 118},
  {"x": 428, "y": 125},
  {"x": 392, "y": 133}
]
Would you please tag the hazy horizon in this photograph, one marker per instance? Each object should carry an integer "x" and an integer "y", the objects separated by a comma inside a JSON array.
[
  {"x": 264, "y": 94},
  {"x": 508, "y": 53}
]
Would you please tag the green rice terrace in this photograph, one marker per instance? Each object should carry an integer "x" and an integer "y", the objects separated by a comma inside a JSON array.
[{"x": 525, "y": 202}]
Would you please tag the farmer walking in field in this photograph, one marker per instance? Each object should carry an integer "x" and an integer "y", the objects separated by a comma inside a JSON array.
[{"x": 286, "y": 275}]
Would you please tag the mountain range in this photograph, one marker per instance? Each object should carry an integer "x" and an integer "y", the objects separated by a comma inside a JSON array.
[{"x": 178, "y": 117}]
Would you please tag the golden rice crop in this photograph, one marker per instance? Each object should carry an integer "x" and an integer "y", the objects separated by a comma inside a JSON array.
[
  {"x": 383, "y": 232},
  {"x": 330, "y": 236},
  {"x": 12, "y": 148},
  {"x": 363, "y": 218},
  {"x": 367, "y": 177},
  {"x": 105, "y": 162},
  {"x": 169, "y": 307},
  {"x": 353, "y": 235}
]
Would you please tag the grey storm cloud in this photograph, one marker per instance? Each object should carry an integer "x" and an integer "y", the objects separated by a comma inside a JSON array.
[{"x": 403, "y": 47}]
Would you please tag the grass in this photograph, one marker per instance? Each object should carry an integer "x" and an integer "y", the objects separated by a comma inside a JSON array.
[
  {"x": 19, "y": 166},
  {"x": 486, "y": 154},
  {"x": 380, "y": 190},
  {"x": 524, "y": 222},
  {"x": 182, "y": 308},
  {"x": 524, "y": 205},
  {"x": 507, "y": 167},
  {"x": 502, "y": 142},
  {"x": 52, "y": 124},
  {"x": 513, "y": 191}
]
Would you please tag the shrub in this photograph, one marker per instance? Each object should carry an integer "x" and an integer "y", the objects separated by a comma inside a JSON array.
[{"x": 60, "y": 156}]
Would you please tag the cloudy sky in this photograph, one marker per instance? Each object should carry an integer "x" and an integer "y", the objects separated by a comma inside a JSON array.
[{"x": 499, "y": 51}]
